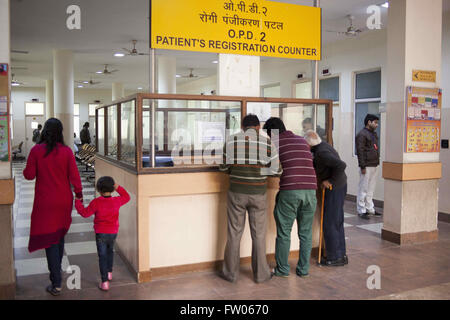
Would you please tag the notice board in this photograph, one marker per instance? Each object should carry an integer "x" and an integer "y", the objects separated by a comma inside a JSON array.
[
  {"x": 246, "y": 27},
  {"x": 423, "y": 119},
  {"x": 4, "y": 113}
]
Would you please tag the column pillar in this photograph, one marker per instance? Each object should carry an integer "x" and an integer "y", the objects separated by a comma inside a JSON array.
[
  {"x": 118, "y": 91},
  {"x": 49, "y": 99},
  {"x": 414, "y": 39},
  {"x": 63, "y": 91},
  {"x": 7, "y": 272},
  {"x": 166, "y": 69}
]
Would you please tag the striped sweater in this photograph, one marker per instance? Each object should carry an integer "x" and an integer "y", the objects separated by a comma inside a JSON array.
[
  {"x": 249, "y": 158},
  {"x": 297, "y": 163}
]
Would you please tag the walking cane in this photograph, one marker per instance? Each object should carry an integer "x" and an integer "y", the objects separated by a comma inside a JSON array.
[{"x": 321, "y": 224}]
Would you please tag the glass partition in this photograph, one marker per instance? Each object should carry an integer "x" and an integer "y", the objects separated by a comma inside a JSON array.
[
  {"x": 128, "y": 133},
  {"x": 112, "y": 131},
  {"x": 189, "y": 131},
  {"x": 101, "y": 131}
]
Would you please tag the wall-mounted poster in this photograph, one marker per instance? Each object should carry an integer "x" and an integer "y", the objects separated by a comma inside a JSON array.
[
  {"x": 423, "y": 119},
  {"x": 4, "y": 139}
]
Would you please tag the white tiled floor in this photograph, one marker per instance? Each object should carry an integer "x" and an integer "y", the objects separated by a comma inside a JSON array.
[
  {"x": 76, "y": 248},
  {"x": 375, "y": 227},
  {"x": 28, "y": 267},
  {"x": 81, "y": 227},
  {"x": 348, "y": 215},
  {"x": 346, "y": 225}
]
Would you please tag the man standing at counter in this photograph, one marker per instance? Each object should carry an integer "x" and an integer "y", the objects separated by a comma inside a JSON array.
[{"x": 248, "y": 158}]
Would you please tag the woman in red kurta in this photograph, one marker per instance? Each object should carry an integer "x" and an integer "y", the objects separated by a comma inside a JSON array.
[{"x": 53, "y": 165}]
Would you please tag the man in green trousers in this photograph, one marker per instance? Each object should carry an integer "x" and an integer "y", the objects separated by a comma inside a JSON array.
[{"x": 296, "y": 199}]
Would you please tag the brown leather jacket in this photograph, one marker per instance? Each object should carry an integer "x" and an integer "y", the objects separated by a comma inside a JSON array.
[{"x": 367, "y": 149}]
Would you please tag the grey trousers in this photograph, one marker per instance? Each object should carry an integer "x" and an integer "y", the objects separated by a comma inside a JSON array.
[{"x": 238, "y": 204}]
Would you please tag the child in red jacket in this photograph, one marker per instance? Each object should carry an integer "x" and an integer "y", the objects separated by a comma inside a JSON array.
[{"x": 106, "y": 223}]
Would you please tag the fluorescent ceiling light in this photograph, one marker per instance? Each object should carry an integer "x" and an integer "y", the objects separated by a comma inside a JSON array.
[
  {"x": 139, "y": 88},
  {"x": 119, "y": 54},
  {"x": 80, "y": 86},
  {"x": 215, "y": 61},
  {"x": 385, "y": 5},
  {"x": 86, "y": 82},
  {"x": 178, "y": 76},
  {"x": 14, "y": 84},
  {"x": 99, "y": 72}
]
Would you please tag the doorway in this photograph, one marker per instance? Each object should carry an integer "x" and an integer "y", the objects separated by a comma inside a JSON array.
[{"x": 34, "y": 115}]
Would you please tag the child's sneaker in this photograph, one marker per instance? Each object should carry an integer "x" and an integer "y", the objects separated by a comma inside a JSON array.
[
  {"x": 104, "y": 286},
  {"x": 109, "y": 276}
]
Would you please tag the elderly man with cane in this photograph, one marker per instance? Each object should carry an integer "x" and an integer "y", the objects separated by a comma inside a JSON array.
[{"x": 330, "y": 171}]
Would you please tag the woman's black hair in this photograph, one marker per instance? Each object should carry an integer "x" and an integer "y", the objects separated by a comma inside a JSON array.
[
  {"x": 105, "y": 184},
  {"x": 274, "y": 123},
  {"x": 52, "y": 134}
]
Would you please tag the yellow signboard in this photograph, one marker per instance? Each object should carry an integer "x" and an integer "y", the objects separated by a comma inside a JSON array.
[
  {"x": 247, "y": 27},
  {"x": 426, "y": 76}
]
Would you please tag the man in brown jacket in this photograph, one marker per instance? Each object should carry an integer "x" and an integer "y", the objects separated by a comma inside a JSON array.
[{"x": 367, "y": 149}]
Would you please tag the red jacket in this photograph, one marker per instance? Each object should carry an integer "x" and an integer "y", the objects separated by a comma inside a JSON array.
[
  {"x": 53, "y": 197},
  {"x": 106, "y": 210}
]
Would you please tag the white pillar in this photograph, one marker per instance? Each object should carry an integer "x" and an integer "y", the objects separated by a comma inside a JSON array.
[
  {"x": 410, "y": 204},
  {"x": 7, "y": 274},
  {"x": 64, "y": 91},
  {"x": 49, "y": 100},
  {"x": 118, "y": 91},
  {"x": 166, "y": 69},
  {"x": 238, "y": 75}
]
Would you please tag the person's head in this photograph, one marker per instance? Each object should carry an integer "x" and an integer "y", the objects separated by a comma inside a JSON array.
[
  {"x": 52, "y": 134},
  {"x": 312, "y": 138},
  {"x": 307, "y": 124},
  {"x": 86, "y": 125},
  {"x": 105, "y": 185},
  {"x": 274, "y": 123},
  {"x": 371, "y": 122},
  {"x": 251, "y": 121},
  {"x": 39, "y": 126}
]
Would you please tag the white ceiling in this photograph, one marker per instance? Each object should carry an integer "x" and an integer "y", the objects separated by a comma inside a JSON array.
[{"x": 108, "y": 25}]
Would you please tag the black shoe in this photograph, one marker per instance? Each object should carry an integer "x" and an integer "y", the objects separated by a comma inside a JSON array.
[
  {"x": 335, "y": 263},
  {"x": 377, "y": 213},
  {"x": 345, "y": 259},
  {"x": 364, "y": 216},
  {"x": 53, "y": 290}
]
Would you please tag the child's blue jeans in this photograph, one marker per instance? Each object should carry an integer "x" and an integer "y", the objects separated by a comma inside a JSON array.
[{"x": 105, "y": 246}]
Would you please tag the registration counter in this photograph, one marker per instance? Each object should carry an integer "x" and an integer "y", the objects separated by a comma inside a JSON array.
[{"x": 161, "y": 149}]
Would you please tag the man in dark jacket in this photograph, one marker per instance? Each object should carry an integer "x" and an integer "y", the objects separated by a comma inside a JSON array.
[
  {"x": 367, "y": 149},
  {"x": 330, "y": 171},
  {"x": 85, "y": 136}
]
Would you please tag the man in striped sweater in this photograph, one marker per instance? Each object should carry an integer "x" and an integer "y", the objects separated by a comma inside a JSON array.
[
  {"x": 296, "y": 198},
  {"x": 248, "y": 158}
]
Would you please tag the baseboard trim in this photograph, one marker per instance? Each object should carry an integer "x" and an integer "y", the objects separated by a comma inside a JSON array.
[
  {"x": 409, "y": 238},
  {"x": 154, "y": 273},
  {"x": 377, "y": 203},
  {"x": 8, "y": 291},
  {"x": 444, "y": 217}
]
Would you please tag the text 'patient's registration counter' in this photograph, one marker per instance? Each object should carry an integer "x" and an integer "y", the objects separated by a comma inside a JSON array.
[{"x": 162, "y": 149}]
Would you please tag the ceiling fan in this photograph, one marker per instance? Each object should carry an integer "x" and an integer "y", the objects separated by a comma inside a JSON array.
[
  {"x": 351, "y": 31},
  {"x": 190, "y": 75},
  {"x": 134, "y": 52},
  {"x": 90, "y": 82},
  {"x": 15, "y": 82},
  {"x": 106, "y": 71}
]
